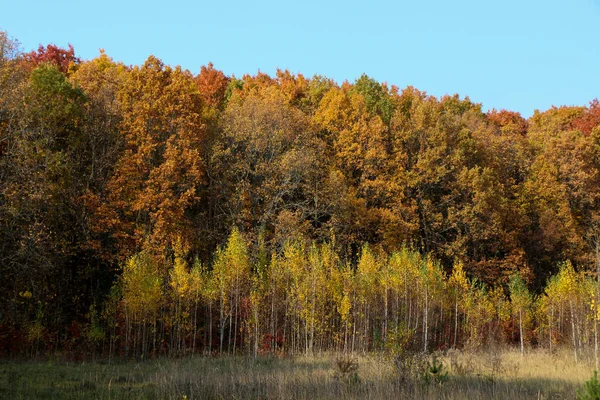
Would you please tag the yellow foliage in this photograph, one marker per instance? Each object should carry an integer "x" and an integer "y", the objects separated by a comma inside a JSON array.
[{"x": 142, "y": 286}]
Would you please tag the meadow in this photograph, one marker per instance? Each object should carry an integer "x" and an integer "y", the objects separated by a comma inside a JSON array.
[{"x": 491, "y": 374}]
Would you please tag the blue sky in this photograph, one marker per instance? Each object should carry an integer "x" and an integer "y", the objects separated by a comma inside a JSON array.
[{"x": 519, "y": 55}]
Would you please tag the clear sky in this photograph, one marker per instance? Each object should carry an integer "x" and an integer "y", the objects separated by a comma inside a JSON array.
[{"x": 515, "y": 54}]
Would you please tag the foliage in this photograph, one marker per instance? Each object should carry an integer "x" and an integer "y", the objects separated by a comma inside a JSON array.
[
  {"x": 148, "y": 210},
  {"x": 436, "y": 371},
  {"x": 590, "y": 389},
  {"x": 347, "y": 370},
  {"x": 142, "y": 286}
]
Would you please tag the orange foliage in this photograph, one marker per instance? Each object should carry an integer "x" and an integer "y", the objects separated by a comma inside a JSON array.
[{"x": 212, "y": 85}]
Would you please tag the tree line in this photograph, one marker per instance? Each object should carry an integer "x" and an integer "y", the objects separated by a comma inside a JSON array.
[{"x": 150, "y": 210}]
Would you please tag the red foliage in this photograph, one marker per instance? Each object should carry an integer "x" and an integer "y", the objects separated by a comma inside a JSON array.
[
  {"x": 508, "y": 121},
  {"x": 12, "y": 340},
  {"x": 589, "y": 119},
  {"x": 269, "y": 340},
  {"x": 53, "y": 54}
]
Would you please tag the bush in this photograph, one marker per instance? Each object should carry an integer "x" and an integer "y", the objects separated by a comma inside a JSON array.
[
  {"x": 347, "y": 370},
  {"x": 590, "y": 390},
  {"x": 436, "y": 372}
]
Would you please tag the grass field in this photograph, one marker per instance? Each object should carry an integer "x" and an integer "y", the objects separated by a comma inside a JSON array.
[{"x": 500, "y": 375}]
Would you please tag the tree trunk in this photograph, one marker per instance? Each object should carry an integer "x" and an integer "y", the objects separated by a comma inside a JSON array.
[
  {"x": 256, "y": 329},
  {"x": 385, "y": 317},
  {"x": 455, "y": 321},
  {"x": 222, "y": 326},
  {"x": 195, "y": 325},
  {"x": 425, "y": 320},
  {"x": 550, "y": 325},
  {"x": 596, "y": 301},
  {"x": 210, "y": 323},
  {"x": 521, "y": 331},
  {"x": 573, "y": 331}
]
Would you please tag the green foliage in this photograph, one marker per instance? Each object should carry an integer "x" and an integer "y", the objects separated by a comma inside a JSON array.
[
  {"x": 114, "y": 176},
  {"x": 436, "y": 371},
  {"x": 411, "y": 367},
  {"x": 378, "y": 100},
  {"x": 590, "y": 389},
  {"x": 399, "y": 339},
  {"x": 420, "y": 368},
  {"x": 233, "y": 86},
  {"x": 95, "y": 332}
]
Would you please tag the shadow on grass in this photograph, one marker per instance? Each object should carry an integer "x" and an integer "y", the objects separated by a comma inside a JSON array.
[{"x": 241, "y": 378}]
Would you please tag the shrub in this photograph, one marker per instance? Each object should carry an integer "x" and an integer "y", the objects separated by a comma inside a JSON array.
[
  {"x": 435, "y": 372},
  {"x": 590, "y": 389},
  {"x": 347, "y": 370}
]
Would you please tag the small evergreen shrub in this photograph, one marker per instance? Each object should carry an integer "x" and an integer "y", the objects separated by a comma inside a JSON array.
[{"x": 590, "y": 389}]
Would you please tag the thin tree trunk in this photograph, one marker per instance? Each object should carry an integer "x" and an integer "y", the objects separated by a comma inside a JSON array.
[
  {"x": 425, "y": 320},
  {"x": 210, "y": 326},
  {"x": 312, "y": 317},
  {"x": 346, "y": 337},
  {"x": 256, "y": 329},
  {"x": 127, "y": 324},
  {"x": 521, "y": 331},
  {"x": 154, "y": 334},
  {"x": 222, "y": 326},
  {"x": 235, "y": 325},
  {"x": 573, "y": 331},
  {"x": 455, "y": 321},
  {"x": 550, "y": 325},
  {"x": 273, "y": 339},
  {"x": 195, "y": 325},
  {"x": 596, "y": 302},
  {"x": 285, "y": 324},
  {"x": 385, "y": 317}
]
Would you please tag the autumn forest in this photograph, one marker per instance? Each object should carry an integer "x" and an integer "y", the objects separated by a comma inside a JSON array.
[{"x": 148, "y": 210}]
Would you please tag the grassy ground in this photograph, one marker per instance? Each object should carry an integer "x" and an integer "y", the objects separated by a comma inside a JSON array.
[{"x": 500, "y": 375}]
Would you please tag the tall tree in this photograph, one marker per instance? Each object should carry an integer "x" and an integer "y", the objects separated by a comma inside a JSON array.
[
  {"x": 155, "y": 185},
  {"x": 268, "y": 165},
  {"x": 40, "y": 196}
]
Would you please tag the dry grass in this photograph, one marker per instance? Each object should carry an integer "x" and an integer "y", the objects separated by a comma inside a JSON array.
[{"x": 485, "y": 375}]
